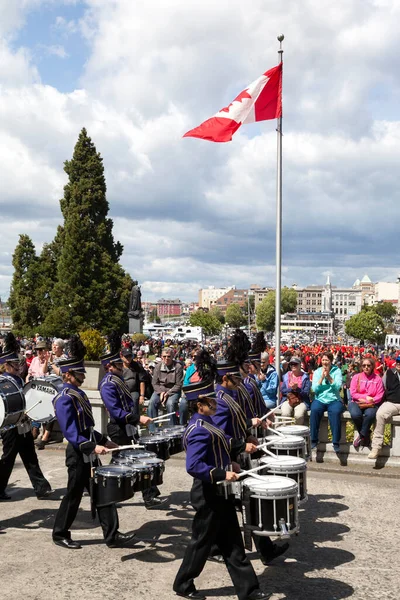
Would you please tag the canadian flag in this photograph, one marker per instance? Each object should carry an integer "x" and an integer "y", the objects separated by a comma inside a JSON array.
[{"x": 260, "y": 101}]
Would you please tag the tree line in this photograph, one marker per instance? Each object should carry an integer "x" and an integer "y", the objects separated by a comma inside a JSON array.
[{"x": 76, "y": 282}]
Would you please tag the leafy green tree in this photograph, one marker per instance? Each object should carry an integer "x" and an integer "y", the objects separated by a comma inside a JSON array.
[
  {"x": 209, "y": 322},
  {"x": 46, "y": 277},
  {"x": 24, "y": 309},
  {"x": 94, "y": 342},
  {"x": 92, "y": 289},
  {"x": 234, "y": 316},
  {"x": 366, "y": 325},
  {"x": 217, "y": 312},
  {"x": 386, "y": 310},
  {"x": 265, "y": 311}
]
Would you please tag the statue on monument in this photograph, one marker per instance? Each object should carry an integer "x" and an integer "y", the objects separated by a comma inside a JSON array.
[{"x": 135, "y": 302}]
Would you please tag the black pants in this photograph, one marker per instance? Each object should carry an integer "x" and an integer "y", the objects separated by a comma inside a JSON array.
[
  {"x": 118, "y": 435},
  {"x": 22, "y": 444},
  {"x": 78, "y": 480},
  {"x": 216, "y": 522}
]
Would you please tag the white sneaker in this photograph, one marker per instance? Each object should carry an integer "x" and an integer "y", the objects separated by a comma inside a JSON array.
[{"x": 373, "y": 455}]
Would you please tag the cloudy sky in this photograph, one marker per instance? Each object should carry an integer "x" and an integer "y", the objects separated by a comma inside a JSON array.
[{"x": 139, "y": 73}]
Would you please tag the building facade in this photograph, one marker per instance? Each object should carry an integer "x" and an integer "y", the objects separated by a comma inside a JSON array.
[
  {"x": 234, "y": 296},
  {"x": 168, "y": 308},
  {"x": 208, "y": 296}
]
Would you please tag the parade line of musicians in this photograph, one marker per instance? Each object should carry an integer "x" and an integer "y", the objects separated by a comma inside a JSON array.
[{"x": 224, "y": 402}]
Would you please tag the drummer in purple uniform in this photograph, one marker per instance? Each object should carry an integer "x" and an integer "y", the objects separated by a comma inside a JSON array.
[
  {"x": 19, "y": 439},
  {"x": 209, "y": 453},
  {"x": 74, "y": 414},
  {"x": 122, "y": 427}
]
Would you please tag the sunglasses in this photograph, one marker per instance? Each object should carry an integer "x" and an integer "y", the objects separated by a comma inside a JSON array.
[{"x": 367, "y": 365}]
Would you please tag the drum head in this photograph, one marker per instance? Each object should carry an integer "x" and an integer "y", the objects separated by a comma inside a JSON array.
[
  {"x": 135, "y": 454},
  {"x": 114, "y": 471},
  {"x": 281, "y": 462},
  {"x": 151, "y": 439},
  {"x": 289, "y": 441},
  {"x": 42, "y": 391},
  {"x": 272, "y": 485},
  {"x": 12, "y": 402},
  {"x": 151, "y": 462},
  {"x": 294, "y": 430}
]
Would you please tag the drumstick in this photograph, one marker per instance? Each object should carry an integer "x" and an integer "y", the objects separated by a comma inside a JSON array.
[
  {"x": 124, "y": 448},
  {"x": 276, "y": 431},
  {"x": 34, "y": 406},
  {"x": 245, "y": 473},
  {"x": 162, "y": 420},
  {"x": 161, "y": 417},
  {"x": 269, "y": 413}
]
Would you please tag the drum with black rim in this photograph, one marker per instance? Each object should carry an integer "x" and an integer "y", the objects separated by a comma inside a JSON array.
[
  {"x": 12, "y": 403},
  {"x": 113, "y": 483}
]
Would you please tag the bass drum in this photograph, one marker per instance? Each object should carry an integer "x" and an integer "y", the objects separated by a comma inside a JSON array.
[
  {"x": 12, "y": 403},
  {"x": 39, "y": 394}
]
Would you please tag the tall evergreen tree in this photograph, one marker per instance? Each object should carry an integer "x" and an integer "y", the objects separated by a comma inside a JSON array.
[
  {"x": 46, "y": 277},
  {"x": 92, "y": 289},
  {"x": 24, "y": 309}
]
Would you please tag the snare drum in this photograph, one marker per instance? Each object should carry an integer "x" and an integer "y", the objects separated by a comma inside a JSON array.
[
  {"x": 130, "y": 456},
  {"x": 175, "y": 436},
  {"x": 158, "y": 467},
  {"x": 270, "y": 506},
  {"x": 113, "y": 483},
  {"x": 291, "y": 445},
  {"x": 12, "y": 403},
  {"x": 144, "y": 476},
  {"x": 288, "y": 466},
  {"x": 41, "y": 391},
  {"x": 159, "y": 444},
  {"x": 300, "y": 430}
]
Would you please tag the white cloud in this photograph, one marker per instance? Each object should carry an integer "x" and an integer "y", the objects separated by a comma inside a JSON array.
[{"x": 192, "y": 213}]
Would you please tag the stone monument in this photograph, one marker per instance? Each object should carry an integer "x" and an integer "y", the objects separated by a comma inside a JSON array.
[{"x": 135, "y": 312}]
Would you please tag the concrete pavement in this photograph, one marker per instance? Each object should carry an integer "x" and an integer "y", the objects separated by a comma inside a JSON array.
[{"x": 348, "y": 546}]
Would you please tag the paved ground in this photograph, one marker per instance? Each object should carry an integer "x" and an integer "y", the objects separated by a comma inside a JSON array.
[{"x": 348, "y": 546}]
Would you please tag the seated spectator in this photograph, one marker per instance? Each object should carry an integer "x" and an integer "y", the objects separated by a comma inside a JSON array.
[
  {"x": 387, "y": 410},
  {"x": 268, "y": 381},
  {"x": 167, "y": 384},
  {"x": 326, "y": 385},
  {"x": 296, "y": 381},
  {"x": 367, "y": 393},
  {"x": 352, "y": 369}
]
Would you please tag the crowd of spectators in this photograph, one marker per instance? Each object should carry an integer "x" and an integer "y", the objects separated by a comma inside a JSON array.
[{"x": 317, "y": 378}]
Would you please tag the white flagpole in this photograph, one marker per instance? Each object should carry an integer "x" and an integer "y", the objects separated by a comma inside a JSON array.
[{"x": 278, "y": 234}]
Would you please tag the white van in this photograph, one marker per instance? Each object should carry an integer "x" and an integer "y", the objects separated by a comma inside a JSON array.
[
  {"x": 392, "y": 339},
  {"x": 183, "y": 333}
]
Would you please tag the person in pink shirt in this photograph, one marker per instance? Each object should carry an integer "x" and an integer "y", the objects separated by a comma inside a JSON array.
[
  {"x": 40, "y": 364},
  {"x": 367, "y": 392}
]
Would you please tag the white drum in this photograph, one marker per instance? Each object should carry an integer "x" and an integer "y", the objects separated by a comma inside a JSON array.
[
  {"x": 270, "y": 506},
  {"x": 300, "y": 430},
  {"x": 288, "y": 466},
  {"x": 290, "y": 445},
  {"x": 39, "y": 396},
  {"x": 230, "y": 489}
]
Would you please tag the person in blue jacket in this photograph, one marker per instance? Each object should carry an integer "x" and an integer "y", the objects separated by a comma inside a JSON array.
[
  {"x": 209, "y": 452},
  {"x": 268, "y": 381},
  {"x": 74, "y": 414},
  {"x": 124, "y": 418}
]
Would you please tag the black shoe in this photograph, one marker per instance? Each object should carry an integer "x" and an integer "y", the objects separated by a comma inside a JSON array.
[
  {"x": 68, "y": 543},
  {"x": 218, "y": 558},
  {"x": 258, "y": 595},
  {"x": 4, "y": 496},
  {"x": 45, "y": 494},
  {"x": 155, "y": 503},
  {"x": 276, "y": 551},
  {"x": 192, "y": 595},
  {"x": 121, "y": 539}
]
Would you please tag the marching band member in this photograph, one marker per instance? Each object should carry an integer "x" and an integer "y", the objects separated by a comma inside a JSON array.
[
  {"x": 208, "y": 456},
  {"x": 74, "y": 414},
  {"x": 19, "y": 439},
  {"x": 120, "y": 406}
]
